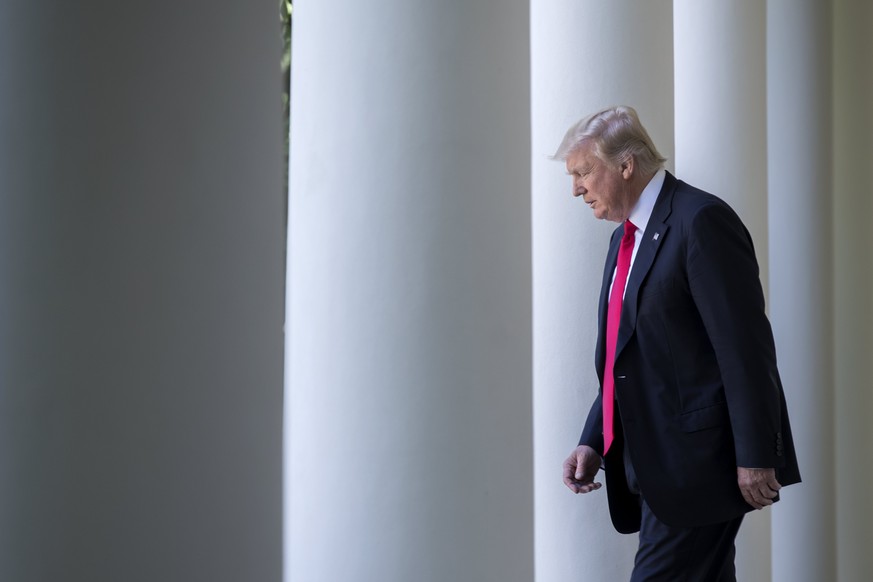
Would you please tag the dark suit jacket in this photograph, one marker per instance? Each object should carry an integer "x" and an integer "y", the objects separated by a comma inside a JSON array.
[{"x": 697, "y": 388}]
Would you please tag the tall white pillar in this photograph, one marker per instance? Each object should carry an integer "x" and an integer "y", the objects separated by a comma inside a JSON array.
[
  {"x": 585, "y": 56},
  {"x": 801, "y": 273},
  {"x": 853, "y": 290},
  {"x": 408, "y": 436},
  {"x": 141, "y": 292},
  {"x": 721, "y": 147}
]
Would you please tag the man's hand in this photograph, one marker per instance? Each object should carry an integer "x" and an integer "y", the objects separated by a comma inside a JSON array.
[
  {"x": 580, "y": 469},
  {"x": 758, "y": 486}
]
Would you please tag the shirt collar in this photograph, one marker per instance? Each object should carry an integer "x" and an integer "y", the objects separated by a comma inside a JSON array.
[{"x": 642, "y": 210}]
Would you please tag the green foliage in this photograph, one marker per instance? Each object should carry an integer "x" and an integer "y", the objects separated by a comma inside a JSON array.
[{"x": 285, "y": 11}]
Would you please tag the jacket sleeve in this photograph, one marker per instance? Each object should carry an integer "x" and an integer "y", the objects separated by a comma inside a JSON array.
[
  {"x": 592, "y": 434},
  {"x": 724, "y": 281}
]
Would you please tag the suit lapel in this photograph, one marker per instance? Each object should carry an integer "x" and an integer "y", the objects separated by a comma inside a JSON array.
[{"x": 653, "y": 237}]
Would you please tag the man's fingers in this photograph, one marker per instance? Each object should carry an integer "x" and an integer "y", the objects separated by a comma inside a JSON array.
[
  {"x": 569, "y": 479},
  {"x": 763, "y": 496},
  {"x": 580, "y": 467},
  {"x": 759, "y": 498},
  {"x": 573, "y": 486},
  {"x": 572, "y": 483},
  {"x": 589, "y": 487},
  {"x": 574, "y": 479},
  {"x": 754, "y": 498},
  {"x": 768, "y": 493},
  {"x": 749, "y": 499},
  {"x": 758, "y": 486}
]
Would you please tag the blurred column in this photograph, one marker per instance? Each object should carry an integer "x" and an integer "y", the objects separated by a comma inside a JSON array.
[
  {"x": 801, "y": 273},
  {"x": 721, "y": 147},
  {"x": 408, "y": 408},
  {"x": 853, "y": 273},
  {"x": 585, "y": 56},
  {"x": 141, "y": 292}
]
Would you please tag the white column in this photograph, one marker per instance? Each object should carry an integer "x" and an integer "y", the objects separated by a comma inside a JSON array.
[
  {"x": 721, "y": 147},
  {"x": 853, "y": 274},
  {"x": 585, "y": 56},
  {"x": 408, "y": 409},
  {"x": 800, "y": 212},
  {"x": 141, "y": 292}
]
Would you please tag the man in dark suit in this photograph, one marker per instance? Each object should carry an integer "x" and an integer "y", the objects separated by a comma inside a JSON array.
[{"x": 690, "y": 423}]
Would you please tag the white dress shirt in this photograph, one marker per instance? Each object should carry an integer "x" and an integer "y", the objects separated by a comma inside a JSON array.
[{"x": 640, "y": 215}]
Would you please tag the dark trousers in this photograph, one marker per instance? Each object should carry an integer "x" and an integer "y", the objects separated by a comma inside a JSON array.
[{"x": 681, "y": 554}]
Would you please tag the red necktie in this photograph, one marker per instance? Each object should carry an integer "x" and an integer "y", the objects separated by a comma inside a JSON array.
[{"x": 613, "y": 318}]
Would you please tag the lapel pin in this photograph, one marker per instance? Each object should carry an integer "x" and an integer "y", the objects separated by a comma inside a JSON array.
[{"x": 657, "y": 234}]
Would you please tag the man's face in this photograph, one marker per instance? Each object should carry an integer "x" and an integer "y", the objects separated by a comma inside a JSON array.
[{"x": 605, "y": 189}]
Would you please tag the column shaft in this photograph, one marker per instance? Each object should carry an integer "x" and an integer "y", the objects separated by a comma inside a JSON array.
[
  {"x": 853, "y": 274},
  {"x": 801, "y": 274},
  {"x": 141, "y": 292},
  {"x": 408, "y": 409},
  {"x": 586, "y": 56},
  {"x": 721, "y": 147}
]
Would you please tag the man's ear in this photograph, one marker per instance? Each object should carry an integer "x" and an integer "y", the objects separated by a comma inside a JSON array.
[{"x": 627, "y": 168}]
